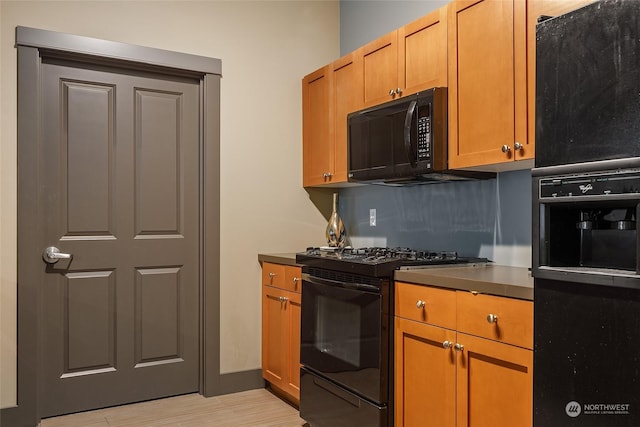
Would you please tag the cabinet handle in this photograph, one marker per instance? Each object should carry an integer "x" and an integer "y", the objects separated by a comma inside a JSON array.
[
  {"x": 447, "y": 344},
  {"x": 420, "y": 304},
  {"x": 398, "y": 91},
  {"x": 517, "y": 146},
  {"x": 296, "y": 280},
  {"x": 283, "y": 299},
  {"x": 492, "y": 318},
  {"x": 458, "y": 347},
  {"x": 506, "y": 148},
  {"x": 392, "y": 92},
  {"x": 272, "y": 275}
]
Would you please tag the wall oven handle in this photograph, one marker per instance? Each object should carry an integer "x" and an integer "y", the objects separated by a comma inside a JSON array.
[
  {"x": 328, "y": 282},
  {"x": 407, "y": 133}
]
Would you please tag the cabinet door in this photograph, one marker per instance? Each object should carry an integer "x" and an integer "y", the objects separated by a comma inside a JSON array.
[
  {"x": 495, "y": 387},
  {"x": 535, "y": 9},
  {"x": 380, "y": 62},
  {"x": 425, "y": 375},
  {"x": 293, "y": 336},
  {"x": 317, "y": 133},
  {"x": 347, "y": 97},
  {"x": 274, "y": 336},
  {"x": 487, "y": 81},
  {"x": 422, "y": 53}
]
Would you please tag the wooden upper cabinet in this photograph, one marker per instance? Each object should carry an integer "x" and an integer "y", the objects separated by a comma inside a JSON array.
[
  {"x": 487, "y": 83},
  {"x": 407, "y": 60},
  {"x": 347, "y": 96},
  {"x": 422, "y": 53},
  {"x": 328, "y": 95},
  {"x": 380, "y": 68},
  {"x": 535, "y": 9},
  {"x": 317, "y": 131}
]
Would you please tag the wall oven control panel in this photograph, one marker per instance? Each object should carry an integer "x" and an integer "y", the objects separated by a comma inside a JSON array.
[{"x": 619, "y": 182}]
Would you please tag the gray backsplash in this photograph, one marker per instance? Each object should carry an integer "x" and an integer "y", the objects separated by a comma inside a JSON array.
[{"x": 471, "y": 217}]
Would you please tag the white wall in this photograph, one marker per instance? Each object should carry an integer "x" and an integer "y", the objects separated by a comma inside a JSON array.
[{"x": 266, "y": 47}]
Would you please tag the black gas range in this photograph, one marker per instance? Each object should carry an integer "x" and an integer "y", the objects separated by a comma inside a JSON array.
[
  {"x": 346, "y": 336},
  {"x": 377, "y": 261}
]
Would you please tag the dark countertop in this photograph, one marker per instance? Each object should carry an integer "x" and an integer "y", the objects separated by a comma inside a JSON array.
[
  {"x": 512, "y": 282},
  {"x": 286, "y": 259},
  {"x": 500, "y": 280}
]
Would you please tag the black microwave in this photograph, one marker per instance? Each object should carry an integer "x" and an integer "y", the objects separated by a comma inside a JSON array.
[{"x": 399, "y": 140}]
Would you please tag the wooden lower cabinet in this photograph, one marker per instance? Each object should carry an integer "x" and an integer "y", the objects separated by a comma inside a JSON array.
[
  {"x": 448, "y": 378},
  {"x": 494, "y": 383},
  {"x": 425, "y": 377},
  {"x": 281, "y": 339}
]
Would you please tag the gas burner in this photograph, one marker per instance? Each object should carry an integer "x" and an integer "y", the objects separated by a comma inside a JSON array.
[{"x": 377, "y": 261}]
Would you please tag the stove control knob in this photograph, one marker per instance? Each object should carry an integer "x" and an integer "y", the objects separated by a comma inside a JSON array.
[
  {"x": 420, "y": 304},
  {"x": 492, "y": 318},
  {"x": 447, "y": 344}
]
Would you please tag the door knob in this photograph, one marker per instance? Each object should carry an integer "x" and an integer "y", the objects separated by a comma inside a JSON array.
[{"x": 51, "y": 255}]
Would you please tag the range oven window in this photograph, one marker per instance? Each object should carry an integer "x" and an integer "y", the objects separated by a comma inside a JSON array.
[
  {"x": 338, "y": 329},
  {"x": 344, "y": 334}
]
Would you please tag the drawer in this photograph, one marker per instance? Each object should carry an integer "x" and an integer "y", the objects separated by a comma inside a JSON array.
[
  {"x": 497, "y": 318},
  {"x": 293, "y": 278},
  {"x": 426, "y": 304},
  {"x": 273, "y": 274}
]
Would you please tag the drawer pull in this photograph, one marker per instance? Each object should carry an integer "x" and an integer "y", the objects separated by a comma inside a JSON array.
[
  {"x": 492, "y": 318},
  {"x": 420, "y": 304},
  {"x": 272, "y": 275},
  {"x": 458, "y": 347},
  {"x": 447, "y": 344}
]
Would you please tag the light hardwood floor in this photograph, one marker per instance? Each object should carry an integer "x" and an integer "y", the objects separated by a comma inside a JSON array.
[{"x": 254, "y": 408}]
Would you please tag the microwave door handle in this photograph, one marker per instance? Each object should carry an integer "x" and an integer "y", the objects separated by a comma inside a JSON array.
[{"x": 407, "y": 133}]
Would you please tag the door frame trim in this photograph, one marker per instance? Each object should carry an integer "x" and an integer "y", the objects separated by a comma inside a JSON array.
[{"x": 32, "y": 44}]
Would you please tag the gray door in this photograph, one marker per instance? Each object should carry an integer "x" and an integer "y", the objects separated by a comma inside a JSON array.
[{"x": 119, "y": 190}]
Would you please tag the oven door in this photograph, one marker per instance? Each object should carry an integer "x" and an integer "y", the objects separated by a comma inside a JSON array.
[{"x": 344, "y": 335}]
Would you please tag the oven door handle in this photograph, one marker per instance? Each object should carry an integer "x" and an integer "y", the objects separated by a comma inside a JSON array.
[{"x": 328, "y": 282}]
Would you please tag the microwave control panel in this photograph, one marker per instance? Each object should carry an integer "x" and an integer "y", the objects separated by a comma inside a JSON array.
[
  {"x": 424, "y": 138},
  {"x": 620, "y": 182}
]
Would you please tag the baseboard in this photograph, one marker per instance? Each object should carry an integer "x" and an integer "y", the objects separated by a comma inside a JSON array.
[{"x": 234, "y": 382}]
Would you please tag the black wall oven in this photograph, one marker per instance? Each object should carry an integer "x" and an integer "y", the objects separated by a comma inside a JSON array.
[
  {"x": 586, "y": 202},
  {"x": 344, "y": 349}
]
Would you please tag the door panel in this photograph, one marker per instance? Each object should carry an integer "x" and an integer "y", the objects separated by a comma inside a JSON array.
[
  {"x": 90, "y": 319},
  {"x": 119, "y": 189},
  {"x": 88, "y": 114},
  {"x": 157, "y": 174}
]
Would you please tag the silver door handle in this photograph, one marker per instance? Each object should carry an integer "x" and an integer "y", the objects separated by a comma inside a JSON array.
[{"x": 51, "y": 255}]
